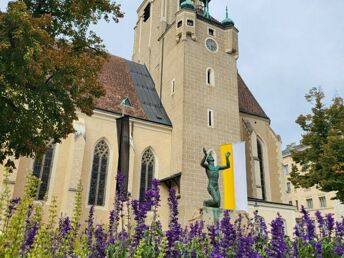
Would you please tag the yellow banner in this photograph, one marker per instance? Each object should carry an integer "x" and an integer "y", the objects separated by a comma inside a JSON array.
[{"x": 228, "y": 178}]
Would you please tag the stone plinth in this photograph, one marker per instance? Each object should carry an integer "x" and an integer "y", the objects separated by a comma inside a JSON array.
[{"x": 211, "y": 215}]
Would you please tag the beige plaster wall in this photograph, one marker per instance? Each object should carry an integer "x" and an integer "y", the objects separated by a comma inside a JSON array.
[
  {"x": 269, "y": 212},
  {"x": 302, "y": 194}
]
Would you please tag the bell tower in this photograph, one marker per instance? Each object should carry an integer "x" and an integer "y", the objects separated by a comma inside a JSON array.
[{"x": 192, "y": 58}]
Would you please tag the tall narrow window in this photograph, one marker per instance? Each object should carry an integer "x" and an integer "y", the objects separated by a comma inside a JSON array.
[
  {"x": 211, "y": 32},
  {"x": 261, "y": 168},
  {"x": 309, "y": 203},
  {"x": 210, "y": 77},
  {"x": 99, "y": 174},
  {"x": 210, "y": 118},
  {"x": 173, "y": 87},
  {"x": 147, "y": 12},
  {"x": 288, "y": 187},
  {"x": 286, "y": 169},
  {"x": 322, "y": 201},
  {"x": 42, "y": 170},
  {"x": 147, "y": 172}
]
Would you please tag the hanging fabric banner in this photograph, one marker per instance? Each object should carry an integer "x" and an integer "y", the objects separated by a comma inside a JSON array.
[{"x": 234, "y": 178}]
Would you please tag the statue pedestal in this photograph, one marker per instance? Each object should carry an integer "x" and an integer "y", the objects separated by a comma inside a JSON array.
[{"x": 211, "y": 215}]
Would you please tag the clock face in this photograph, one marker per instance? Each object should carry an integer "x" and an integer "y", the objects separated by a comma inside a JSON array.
[{"x": 211, "y": 45}]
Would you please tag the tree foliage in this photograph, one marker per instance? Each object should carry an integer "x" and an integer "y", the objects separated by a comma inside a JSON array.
[
  {"x": 49, "y": 65},
  {"x": 321, "y": 162}
]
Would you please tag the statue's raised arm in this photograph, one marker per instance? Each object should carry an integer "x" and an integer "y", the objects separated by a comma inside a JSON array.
[
  {"x": 212, "y": 171},
  {"x": 203, "y": 164},
  {"x": 228, "y": 164}
]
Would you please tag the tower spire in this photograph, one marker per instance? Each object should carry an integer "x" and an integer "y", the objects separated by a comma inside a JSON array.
[
  {"x": 206, "y": 9},
  {"x": 227, "y": 21}
]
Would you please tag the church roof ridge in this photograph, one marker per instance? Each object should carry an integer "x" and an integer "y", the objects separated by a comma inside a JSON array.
[{"x": 247, "y": 102}]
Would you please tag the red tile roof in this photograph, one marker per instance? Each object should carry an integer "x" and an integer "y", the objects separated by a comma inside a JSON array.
[
  {"x": 247, "y": 102},
  {"x": 118, "y": 84}
]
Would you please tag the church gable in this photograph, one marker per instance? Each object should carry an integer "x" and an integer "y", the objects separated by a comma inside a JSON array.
[{"x": 247, "y": 102}]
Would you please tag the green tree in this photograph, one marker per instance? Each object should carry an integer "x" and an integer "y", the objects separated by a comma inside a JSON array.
[
  {"x": 321, "y": 163},
  {"x": 49, "y": 65}
]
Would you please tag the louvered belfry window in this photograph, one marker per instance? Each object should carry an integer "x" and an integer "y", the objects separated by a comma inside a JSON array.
[
  {"x": 42, "y": 170},
  {"x": 99, "y": 174},
  {"x": 147, "y": 172}
]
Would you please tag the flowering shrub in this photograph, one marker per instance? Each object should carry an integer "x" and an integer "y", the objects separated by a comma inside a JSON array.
[{"x": 25, "y": 234}]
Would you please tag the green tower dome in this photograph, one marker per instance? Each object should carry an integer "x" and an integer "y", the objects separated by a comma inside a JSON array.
[
  {"x": 227, "y": 21},
  {"x": 187, "y": 4}
]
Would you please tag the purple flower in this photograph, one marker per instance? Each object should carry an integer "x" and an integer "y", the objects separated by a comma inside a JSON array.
[
  {"x": 318, "y": 249},
  {"x": 228, "y": 234},
  {"x": 100, "y": 244},
  {"x": 12, "y": 207},
  {"x": 174, "y": 231},
  {"x": 89, "y": 229},
  {"x": 111, "y": 226},
  {"x": 339, "y": 250},
  {"x": 296, "y": 247},
  {"x": 115, "y": 215},
  {"x": 321, "y": 223},
  {"x": 196, "y": 230},
  {"x": 339, "y": 230},
  {"x": 123, "y": 235},
  {"x": 245, "y": 248},
  {"x": 261, "y": 232},
  {"x": 339, "y": 240},
  {"x": 298, "y": 230},
  {"x": 330, "y": 223},
  {"x": 31, "y": 228},
  {"x": 64, "y": 227},
  {"x": 140, "y": 209},
  {"x": 310, "y": 227},
  {"x": 213, "y": 233},
  {"x": 30, "y": 236},
  {"x": 238, "y": 226},
  {"x": 278, "y": 247}
]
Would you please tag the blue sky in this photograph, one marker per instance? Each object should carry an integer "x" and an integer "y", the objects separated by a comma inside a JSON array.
[{"x": 286, "y": 48}]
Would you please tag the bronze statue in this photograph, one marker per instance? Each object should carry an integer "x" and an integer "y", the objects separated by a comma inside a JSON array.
[{"x": 213, "y": 176}]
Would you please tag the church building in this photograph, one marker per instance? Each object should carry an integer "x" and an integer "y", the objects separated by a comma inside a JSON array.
[{"x": 180, "y": 92}]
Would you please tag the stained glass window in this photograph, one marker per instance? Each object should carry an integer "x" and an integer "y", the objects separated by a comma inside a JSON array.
[
  {"x": 42, "y": 170},
  {"x": 99, "y": 174},
  {"x": 147, "y": 172}
]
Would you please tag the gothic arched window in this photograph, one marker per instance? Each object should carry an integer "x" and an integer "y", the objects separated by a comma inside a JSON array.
[
  {"x": 210, "y": 77},
  {"x": 98, "y": 174},
  {"x": 261, "y": 168},
  {"x": 42, "y": 170},
  {"x": 147, "y": 172}
]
